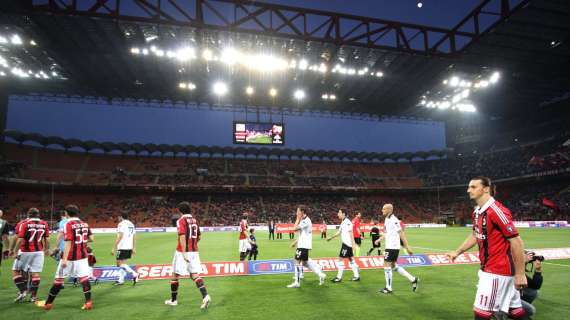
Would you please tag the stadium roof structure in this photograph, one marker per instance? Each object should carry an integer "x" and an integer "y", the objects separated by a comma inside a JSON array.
[{"x": 131, "y": 49}]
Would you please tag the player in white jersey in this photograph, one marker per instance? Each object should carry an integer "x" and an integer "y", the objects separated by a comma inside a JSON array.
[
  {"x": 125, "y": 247},
  {"x": 393, "y": 233},
  {"x": 347, "y": 238},
  {"x": 304, "y": 243}
]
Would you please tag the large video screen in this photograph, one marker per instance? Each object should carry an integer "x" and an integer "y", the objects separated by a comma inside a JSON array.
[{"x": 259, "y": 133}]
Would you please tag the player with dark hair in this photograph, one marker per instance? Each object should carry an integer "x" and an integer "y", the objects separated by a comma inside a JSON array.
[
  {"x": 375, "y": 236},
  {"x": 357, "y": 233},
  {"x": 304, "y": 244},
  {"x": 186, "y": 259},
  {"x": 74, "y": 262},
  {"x": 244, "y": 245},
  {"x": 125, "y": 247},
  {"x": 501, "y": 251},
  {"x": 323, "y": 229},
  {"x": 60, "y": 242},
  {"x": 33, "y": 242},
  {"x": 347, "y": 240}
]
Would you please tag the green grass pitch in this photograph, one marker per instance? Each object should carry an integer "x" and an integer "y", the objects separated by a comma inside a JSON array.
[
  {"x": 261, "y": 140},
  {"x": 445, "y": 292}
]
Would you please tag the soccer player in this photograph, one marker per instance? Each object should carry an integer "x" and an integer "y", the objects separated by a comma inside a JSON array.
[
  {"x": 304, "y": 243},
  {"x": 186, "y": 259},
  {"x": 244, "y": 245},
  {"x": 60, "y": 230},
  {"x": 4, "y": 228},
  {"x": 501, "y": 251},
  {"x": 33, "y": 241},
  {"x": 357, "y": 234},
  {"x": 73, "y": 263},
  {"x": 18, "y": 275},
  {"x": 271, "y": 227},
  {"x": 375, "y": 235},
  {"x": 253, "y": 243},
  {"x": 393, "y": 234},
  {"x": 323, "y": 230},
  {"x": 347, "y": 239},
  {"x": 125, "y": 248}
]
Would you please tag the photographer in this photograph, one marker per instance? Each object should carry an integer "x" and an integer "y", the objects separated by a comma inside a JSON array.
[{"x": 533, "y": 263}]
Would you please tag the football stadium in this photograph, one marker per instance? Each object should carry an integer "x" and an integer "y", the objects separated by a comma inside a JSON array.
[{"x": 284, "y": 159}]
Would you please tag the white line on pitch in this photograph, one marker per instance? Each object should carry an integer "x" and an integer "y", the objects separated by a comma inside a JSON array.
[
  {"x": 442, "y": 250},
  {"x": 557, "y": 264}
]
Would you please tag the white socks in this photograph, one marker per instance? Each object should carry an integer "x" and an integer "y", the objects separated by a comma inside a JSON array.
[
  {"x": 354, "y": 268},
  {"x": 340, "y": 269},
  {"x": 315, "y": 267},
  {"x": 388, "y": 276},
  {"x": 123, "y": 272},
  {"x": 405, "y": 273}
]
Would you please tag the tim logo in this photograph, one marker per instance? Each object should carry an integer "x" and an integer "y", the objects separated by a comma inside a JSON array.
[
  {"x": 277, "y": 266},
  {"x": 416, "y": 260}
]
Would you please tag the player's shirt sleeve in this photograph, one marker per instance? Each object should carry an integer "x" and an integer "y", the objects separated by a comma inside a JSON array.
[
  {"x": 22, "y": 230},
  {"x": 502, "y": 219},
  {"x": 397, "y": 225},
  {"x": 303, "y": 224},
  {"x": 46, "y": 234},
  {"x": 67, "y": 233},
  {"x": 182, "y": 227}
]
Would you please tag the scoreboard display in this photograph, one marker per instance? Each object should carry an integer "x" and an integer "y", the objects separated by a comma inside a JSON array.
[{"x": 259, "y": 133}]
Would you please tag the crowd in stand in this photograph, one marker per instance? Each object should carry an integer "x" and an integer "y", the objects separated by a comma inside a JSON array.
[
  {"x": 547, "y": 200},
  {"x": 514, "y": 161}
]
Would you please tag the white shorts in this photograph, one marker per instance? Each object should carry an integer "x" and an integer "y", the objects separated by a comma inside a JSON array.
[
  {"x": 183, "y": 268},
  {"x": 74, "y": 269},
  {"x": 32, "y": 261},
  {"x": 244, "y": 245},
  {"x": 496, "y": 293}
]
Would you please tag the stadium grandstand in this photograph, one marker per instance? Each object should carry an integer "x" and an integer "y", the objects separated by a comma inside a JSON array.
[{"x": 134, "y": 106}]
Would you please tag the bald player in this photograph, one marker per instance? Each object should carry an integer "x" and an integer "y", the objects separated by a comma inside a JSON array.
[{"x": 393, "y": 233}]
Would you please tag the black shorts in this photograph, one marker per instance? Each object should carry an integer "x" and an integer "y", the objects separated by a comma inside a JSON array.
[
  {"x": 124, "y": 254},
  {"x": 374, "y": 245},
  {"x": 345, "y": 251},
  {"x": 302, "y": 254},
  {"x": 358, "y": 241},
  {"x": 391, "y": 255}
]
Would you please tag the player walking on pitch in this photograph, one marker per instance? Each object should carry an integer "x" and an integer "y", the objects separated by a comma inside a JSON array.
[
  {"x": 304, "y": 244},
  {"x": 33, "y": 241},
  {"x": 74, "y": 262},
  {"x": 501, "y": 251},
  {"x": 393, "y": 235},
  {"x": 347, "y": 240},
  {"x": 186, "y": 259},
  {"x": 125, "y": 247}
]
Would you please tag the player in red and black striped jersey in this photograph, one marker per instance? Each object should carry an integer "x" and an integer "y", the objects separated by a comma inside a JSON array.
[
  {"x": 33, "y": 234},
  {"x": 186, "y": 259},
  {"x": 74, "y": 262},
  {"x": 244, "y": 245},
  {"x": 501, "y": 251}
]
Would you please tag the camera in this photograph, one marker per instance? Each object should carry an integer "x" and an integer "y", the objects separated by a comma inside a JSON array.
[{"x": 535, "y": 257}]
